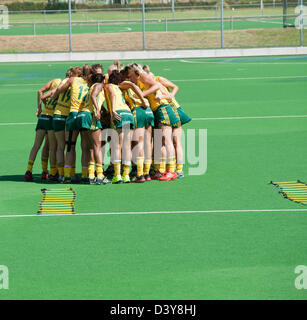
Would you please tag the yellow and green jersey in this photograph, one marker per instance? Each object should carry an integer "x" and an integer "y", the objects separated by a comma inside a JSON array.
[
  {"x": 50, "y": 103},
  {"x": 120, "y": 103},
  {"x": 131, "y": 99},
  {"x": 79, "y": 89},
  {"x": 154, "y": 104},
  {"x": 173, "y": 102},
  {"x": 63, "y": 103},
  {"x": 89, "y": 106}
]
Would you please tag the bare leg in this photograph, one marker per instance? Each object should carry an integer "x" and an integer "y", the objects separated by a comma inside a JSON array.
[
  {"x": 39, "y": 138},
  {"x": 177, "y": 132},
  {"x": 138, "y": 139},
  {"x": 52, "y": 148}
]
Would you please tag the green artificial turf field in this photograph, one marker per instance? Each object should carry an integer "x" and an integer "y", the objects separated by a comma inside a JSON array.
[
  {"x": 225, "y": 234},
  {"x": 159, "y": 25}
]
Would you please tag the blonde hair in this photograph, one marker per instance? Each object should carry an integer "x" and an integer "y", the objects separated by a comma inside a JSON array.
[
  {"x": 115, "y": 66},
  {"x": 147, "y": 70},
  {"x": 137, "y": 68}
]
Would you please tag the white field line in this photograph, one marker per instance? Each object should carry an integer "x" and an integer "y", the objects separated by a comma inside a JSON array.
[
  {"x": 197, "y": 60},
  {"x": 195, "y": 119},
  {"x": 233, "y": 79},
  {"x": 255, "y": 117},
  {"x": 154, "y": 212},
  {"x": 184, "y": 80}
]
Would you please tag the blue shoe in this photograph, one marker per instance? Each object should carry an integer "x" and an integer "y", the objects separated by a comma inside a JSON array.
[{"x": 180, "y": 175}]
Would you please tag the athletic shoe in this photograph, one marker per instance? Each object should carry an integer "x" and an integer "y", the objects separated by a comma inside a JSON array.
[
  {"x": 133, "y": 179},
  {"x": 157, "y": 175},
  {"x": 140, "y": 179},
  {"x": 166, "y": 176},
  {"x": 109, "y": 172},
  {"x": 133, "y": 172},
  {"x": 84, "y": 181},
  {"x": 92, "y": 181},
  {"x": 44, "y": 175},
  {"x": 99, "y": 181},
  {"x": 67, "y": 180},
  {"x": 152, "y": 171},
  {"x": 52, "y": 178},
  {"x": 75, "y": 179},
  {"x": 147, "y": 177},
  {"x": 117, "y": 179},
  {"x": 28, "y": 176},
  {"x": 61, "y": 179},
  {"x": 105, "y": 180},
  {"x": 180, "y": 175},
  {"x": 126, "y": 179},
  {"x": 175, "y": 175}
]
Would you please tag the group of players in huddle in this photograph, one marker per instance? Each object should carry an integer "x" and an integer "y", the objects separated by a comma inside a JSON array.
[{"x": 142, "y": 122}]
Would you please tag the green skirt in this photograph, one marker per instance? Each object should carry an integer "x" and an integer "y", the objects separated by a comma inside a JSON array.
[
  {"x": 59, "y": 122},
  {"x": 166, "y": 116},
  {"x": 126, "y": 119},
  {"x": 71, "y": 121},
  {"x": 184, "y": 118},
  {"x": 44, "y": 122},
  {"x": 83, "y": 121},
  {"x": 143, "y": 117}
]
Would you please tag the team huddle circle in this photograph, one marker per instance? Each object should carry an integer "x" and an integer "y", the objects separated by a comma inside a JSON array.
[{"x": 128, "y": 109}]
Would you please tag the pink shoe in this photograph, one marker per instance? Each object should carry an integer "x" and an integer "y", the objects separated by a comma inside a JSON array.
[
  {"x": 28, "y": 176},
  {"x": 157, "y": 175},
  {"x": 44, "y": 175},
  {"x": 167, "y": 176}
]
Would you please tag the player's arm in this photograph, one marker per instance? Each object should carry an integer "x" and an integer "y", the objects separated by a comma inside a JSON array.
[
  {"x": 153, "y": 85},
  {"x": 111, "y": 92},
  {"x": 40, "y": 94},
  {"x": 170, "y": 85},
  {"x": 130, "y": 85},
  {"x": 94, "y": 95},
  {"x": 62, "y": 87}
]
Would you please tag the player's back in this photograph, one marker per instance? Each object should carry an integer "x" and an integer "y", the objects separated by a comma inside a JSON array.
[
  {"x": 79, "y": 89},
  {"x": 51, "y": 102}
]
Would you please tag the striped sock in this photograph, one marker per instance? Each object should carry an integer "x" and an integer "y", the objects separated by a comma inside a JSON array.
[
  {"x": 84, "y": 173},
  {"x": 67, "y": 170},
  {"x": 156, "y": 166},
  {"x": 171, "y": 164},
  {"x": 30, "y": 165},
  {"x": 53, "y": 170},
  {"x": 126, "y": 167},
  {"x": 73, "y": 171},
  {"x": 116, "y": 165},
  {"x": 99, "y": 169},
  {"x": 179, "y": 167},
  {"x": 44, "y": 164},
  {"x": 163, "y": 165},
  {"x": 140, "y": 166},
  {"x": 91, "y": 170},
  {"x": 147, "y": 165},
  {"x": 60, "y": 169}
]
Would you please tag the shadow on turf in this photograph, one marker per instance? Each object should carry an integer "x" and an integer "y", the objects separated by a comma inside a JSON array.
[{"x": 20, "y": 178}]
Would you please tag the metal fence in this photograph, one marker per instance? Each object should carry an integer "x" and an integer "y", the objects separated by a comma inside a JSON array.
[{"x": 152, "y": 28}]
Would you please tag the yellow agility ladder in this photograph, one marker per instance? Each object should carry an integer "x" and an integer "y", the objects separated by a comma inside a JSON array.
[
  {"x": 57, "y": 201},
  {"x": 295, "y": 191}
]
